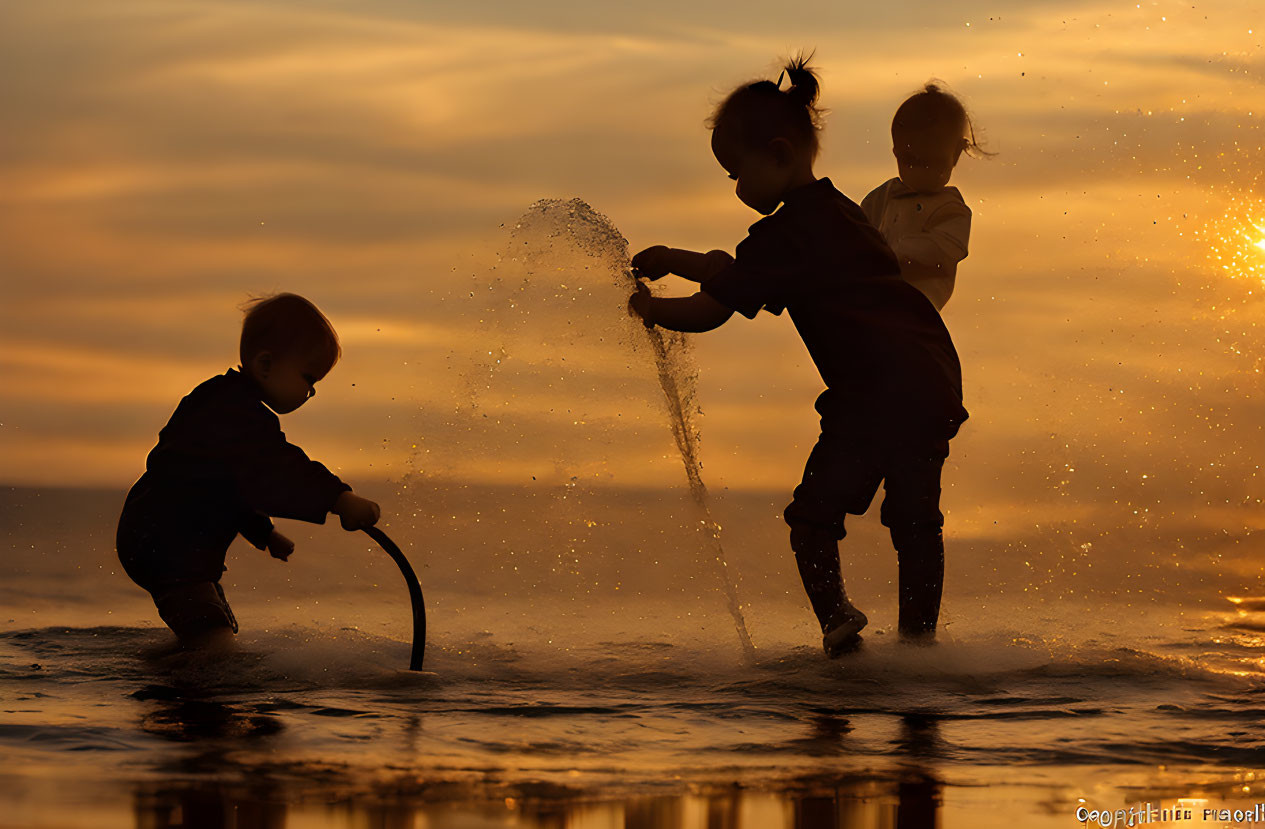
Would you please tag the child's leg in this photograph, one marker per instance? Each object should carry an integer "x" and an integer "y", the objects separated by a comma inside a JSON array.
[
  {"x": 841, "y": 477},
  {"x": 817, "y": 556},
  {"x": 177, "y": 553},
  {"x": 911, "y": 510},
  {"x": 920, "y": 559},
  {"x": 196, "y": 612}
]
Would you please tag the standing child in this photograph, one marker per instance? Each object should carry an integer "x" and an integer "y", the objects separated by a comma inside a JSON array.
[
  {"x": 222, "y": 466},
  {"x": 894, "y": 391},
  {"x": 926, "y": 222}
]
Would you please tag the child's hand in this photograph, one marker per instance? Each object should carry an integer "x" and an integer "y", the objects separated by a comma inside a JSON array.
[
  {"x": 639, "y": 304},
  {"x": 652, "y": 263},
  {"x": 355, "y": 512},
  {"x": 279, "y": 546}
]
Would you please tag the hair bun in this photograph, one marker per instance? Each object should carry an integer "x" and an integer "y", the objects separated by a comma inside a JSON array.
[
  {"x": 804, "y": 84},
  {"x": 761, "y": 111}
]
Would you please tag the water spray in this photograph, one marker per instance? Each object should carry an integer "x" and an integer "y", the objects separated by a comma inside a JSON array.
[
  {"x": 539, "y": 241},
  {"x": 687, "y": 445},
  {"x": 414, "y": 594}
]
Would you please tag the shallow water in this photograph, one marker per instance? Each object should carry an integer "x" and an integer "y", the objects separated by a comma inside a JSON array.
[
  {"x": 600, "y": 709},
  {"x": 584, "y": 668}
]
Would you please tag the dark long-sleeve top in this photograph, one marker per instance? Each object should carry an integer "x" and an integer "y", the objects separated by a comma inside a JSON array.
[
  {"x": 223, "y": 446},
  {"x": 879, "y": 344}
]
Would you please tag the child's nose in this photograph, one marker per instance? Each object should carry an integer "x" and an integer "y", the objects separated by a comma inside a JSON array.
[{"x": 311, "y": 392}]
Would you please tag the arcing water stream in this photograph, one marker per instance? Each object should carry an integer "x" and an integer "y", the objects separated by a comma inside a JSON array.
[
  {"x": 545, "y": 242},
  {"x": 667, "y": 347}
]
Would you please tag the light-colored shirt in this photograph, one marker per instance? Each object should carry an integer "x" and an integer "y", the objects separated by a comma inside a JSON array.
[{"x": 928, "y": 234}]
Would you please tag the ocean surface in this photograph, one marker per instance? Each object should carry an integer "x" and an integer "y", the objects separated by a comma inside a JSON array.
[
  {"x": 594, "y": 678},
  {"x": 616, "y": 640}
]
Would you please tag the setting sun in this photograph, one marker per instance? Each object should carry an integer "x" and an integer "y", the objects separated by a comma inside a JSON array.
[{"x": 1236, "y": 241}]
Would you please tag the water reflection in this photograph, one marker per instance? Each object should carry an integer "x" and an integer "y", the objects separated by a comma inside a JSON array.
[
  {"x": 918, "y": 794},
  {"x": 213, "y": 730},
  {"x": 267, "y": 803},
  {"x": 198, "y": 805},
  {"x": 228, "y": 776},
  {"x": 919, "y": 738},
  {"x": 184, "y": 716}
]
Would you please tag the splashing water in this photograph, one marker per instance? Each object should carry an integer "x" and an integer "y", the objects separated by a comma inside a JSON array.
[
  {"x": 549, "y": 233},
  {"x": 679, "y": 399}
]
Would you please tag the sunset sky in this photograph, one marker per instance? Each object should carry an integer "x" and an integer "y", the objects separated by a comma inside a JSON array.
[{"x": 160, "y": 162}]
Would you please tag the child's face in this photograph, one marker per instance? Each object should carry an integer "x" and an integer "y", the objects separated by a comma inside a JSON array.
[
  {"x": 287, "y": 381},
  {"x": 763, "y": 176},
  {"x": 925, "y": 160}
]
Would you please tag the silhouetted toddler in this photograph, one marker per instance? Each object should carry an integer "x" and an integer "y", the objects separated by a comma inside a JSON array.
[
  {"x": 926, "y": 222},
  {"x": 894, "y": 396},
  {"x": 222, "y": 466}
]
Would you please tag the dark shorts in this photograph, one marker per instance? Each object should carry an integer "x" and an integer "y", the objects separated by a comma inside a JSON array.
[
  {"x": 195, "y": 611},
  {"x": 849, "y": 461},
  {"x": 165, "y": 538}
]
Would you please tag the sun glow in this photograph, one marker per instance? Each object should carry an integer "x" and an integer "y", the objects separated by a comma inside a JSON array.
[{"x": 1236, "y": 241}]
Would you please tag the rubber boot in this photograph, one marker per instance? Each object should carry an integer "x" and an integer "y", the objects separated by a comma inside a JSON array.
[
  {"x": 817, "y": 554},
  {"x": 920, "y": 560}
]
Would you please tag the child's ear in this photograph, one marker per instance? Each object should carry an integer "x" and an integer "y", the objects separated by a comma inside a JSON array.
[
  {"x": 783, "y": 151},
  {"x": 261, "y": 364}
]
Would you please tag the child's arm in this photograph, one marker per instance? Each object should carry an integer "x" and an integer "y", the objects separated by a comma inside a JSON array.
[
  {"x": 279, "y": 546},
  {"x": 942, "y": 242},
  {"x": 273, "y": 477},
  {"x": 658, "y": 261},
  {"x": 691, "y": 314},
  {"x": 257, "y": 528}
]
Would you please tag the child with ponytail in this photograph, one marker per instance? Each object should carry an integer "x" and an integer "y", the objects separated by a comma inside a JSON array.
[{"x": 894, "y": 393}]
